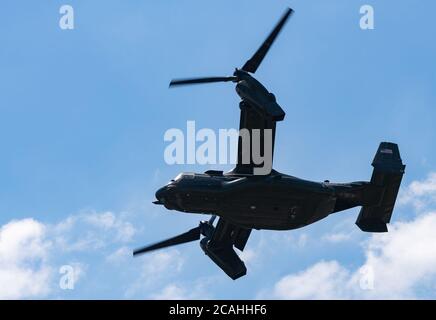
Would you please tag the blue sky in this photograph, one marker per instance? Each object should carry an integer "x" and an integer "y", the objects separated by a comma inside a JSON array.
[{"x": 83, "y": 113}]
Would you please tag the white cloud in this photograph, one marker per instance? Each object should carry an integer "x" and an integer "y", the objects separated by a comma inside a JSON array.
[
  {"x": 420, "y": 194},
  {"x": 302, "y": 240},
  {"x": 122, "y": 231},
  {"x": 323, "y": 280},
  {"x": 171, "y": 292},
  {"x": 80, "y": 269},
  {"x": 163, "y": 261},
  {"x": 288, "y": 239},
  {"x": 155, "y": 268},
  {"x": 401, "y": 262},
  {"x": 337, "y": 237},
  {"x": 29, "y": 249},
  {"x": 92, "y": 231},
  {"x": 249, "y": 256},
  {"x": 404, "y": 258},
  {"x": 24, "y": 250},
  {"x": 175, "y": 291},
  {"x": 343, "y": 231},
  {"x": 120, "y": 255}
]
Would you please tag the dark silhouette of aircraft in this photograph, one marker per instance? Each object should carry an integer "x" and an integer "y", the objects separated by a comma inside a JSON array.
[{"x": 244, "y": 201}]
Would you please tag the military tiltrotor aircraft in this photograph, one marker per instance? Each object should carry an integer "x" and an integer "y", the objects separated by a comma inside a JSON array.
[{"x": 244, "y": 201}]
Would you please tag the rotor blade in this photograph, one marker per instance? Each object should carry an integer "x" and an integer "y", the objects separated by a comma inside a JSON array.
[
  {"x": 252, "y": 64},
  {"x": 191, "y": 235},
  {"x": 178, "y": 82}
]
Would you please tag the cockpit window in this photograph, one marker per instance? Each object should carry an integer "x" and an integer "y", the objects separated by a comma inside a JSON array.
[{"x": 184, "y": 175}]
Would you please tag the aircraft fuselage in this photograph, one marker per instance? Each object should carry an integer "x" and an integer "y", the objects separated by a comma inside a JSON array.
[{"x": 275, "y": 201}]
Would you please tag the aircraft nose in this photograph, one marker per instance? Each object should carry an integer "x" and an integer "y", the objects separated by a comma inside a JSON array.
[
  {"x": 167, "y": 196},
  {"x": 160, "y": 194}
]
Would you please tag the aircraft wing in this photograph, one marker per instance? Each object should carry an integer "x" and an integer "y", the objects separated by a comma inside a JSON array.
[{"x": 220, "y": 248}]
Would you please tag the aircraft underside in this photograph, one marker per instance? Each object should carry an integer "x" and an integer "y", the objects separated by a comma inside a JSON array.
[{"x": 252, "y": 196}]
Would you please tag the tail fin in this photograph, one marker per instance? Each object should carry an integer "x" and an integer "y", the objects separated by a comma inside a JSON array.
[{"x": 387, "y": 174}]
